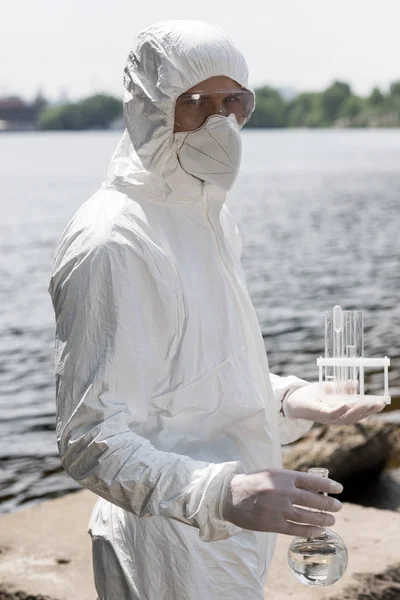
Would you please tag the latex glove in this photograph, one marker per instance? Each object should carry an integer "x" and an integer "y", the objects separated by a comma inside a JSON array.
[
  {"x": 265, "y": 501},
  {"x": 305, "y": 403}
]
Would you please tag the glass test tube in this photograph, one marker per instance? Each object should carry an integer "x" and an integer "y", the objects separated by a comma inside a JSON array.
[{"x": 344, "y": 338}]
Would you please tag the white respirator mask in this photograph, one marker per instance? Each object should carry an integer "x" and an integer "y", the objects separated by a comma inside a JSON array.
[{"x": 213, "y": 152}]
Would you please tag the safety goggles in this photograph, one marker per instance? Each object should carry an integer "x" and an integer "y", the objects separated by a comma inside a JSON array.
[{"x": 193, "y": 110}]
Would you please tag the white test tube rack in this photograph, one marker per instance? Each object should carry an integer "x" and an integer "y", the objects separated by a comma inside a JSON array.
[{"x": 361, "y": 363}]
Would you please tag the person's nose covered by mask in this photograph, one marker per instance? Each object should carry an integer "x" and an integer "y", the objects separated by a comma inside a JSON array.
[
  {"x": 213, "y": 152},
  {"x": 207, "y": 133}
]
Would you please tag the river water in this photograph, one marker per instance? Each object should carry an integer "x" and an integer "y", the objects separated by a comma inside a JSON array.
[{"x": 319, "y": 213}]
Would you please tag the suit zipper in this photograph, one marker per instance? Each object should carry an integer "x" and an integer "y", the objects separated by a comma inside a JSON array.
[
  {"x": 217, "y": 243},
  {"x": 241, "y": 307}
]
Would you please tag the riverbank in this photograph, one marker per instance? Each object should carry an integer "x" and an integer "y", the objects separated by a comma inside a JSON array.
[{"x": 45, "y": 552}]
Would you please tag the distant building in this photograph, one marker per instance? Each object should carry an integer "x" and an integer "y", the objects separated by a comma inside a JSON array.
[{"x": 17, "y": 115}]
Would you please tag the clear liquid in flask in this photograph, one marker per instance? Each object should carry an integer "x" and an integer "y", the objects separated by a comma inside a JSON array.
[{"x": 318, "y": 561}]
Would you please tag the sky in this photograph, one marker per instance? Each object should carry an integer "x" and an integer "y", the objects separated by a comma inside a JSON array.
[{"x": 79, "y": 47}]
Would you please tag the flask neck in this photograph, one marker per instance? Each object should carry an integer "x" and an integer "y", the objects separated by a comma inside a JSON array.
[
  {"x": 321, "y": 472},
  {"x": 318, "y": 471}
]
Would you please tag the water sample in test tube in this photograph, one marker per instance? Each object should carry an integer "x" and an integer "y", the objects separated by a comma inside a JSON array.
[{"x": 344, "y": 338}]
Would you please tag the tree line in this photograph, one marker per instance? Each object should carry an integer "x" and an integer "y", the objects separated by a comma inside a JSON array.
[{"x": 336, "y": 106}]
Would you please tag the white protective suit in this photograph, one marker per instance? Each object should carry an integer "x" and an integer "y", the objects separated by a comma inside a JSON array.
[{"x": 162, "y": 380}]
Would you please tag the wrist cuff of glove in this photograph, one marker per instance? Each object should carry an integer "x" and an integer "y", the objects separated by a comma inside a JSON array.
[
  {"x": 208, "y": 513},
  {"x": 289, "y": 392}
]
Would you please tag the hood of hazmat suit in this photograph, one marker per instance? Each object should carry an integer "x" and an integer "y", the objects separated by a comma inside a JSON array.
[{"x": 162, "y": 380}]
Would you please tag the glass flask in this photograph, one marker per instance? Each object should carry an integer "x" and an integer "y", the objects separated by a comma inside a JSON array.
[{"x": 318, "y": 561}]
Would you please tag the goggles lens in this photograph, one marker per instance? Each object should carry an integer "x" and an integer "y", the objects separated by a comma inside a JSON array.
[{"x": 193, "y": 110}]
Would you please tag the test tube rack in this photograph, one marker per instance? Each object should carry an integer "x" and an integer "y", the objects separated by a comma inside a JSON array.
[{"x": 349, "y": 363}]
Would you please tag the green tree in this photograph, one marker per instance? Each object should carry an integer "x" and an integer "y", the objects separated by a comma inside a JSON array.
[
  {"x": 270, "y": 109},
  {"x": 305, "y": 111},
  {"x": 333, "y": 99},
  {"x": 352, "y": 107},
  {"x": 95, "y": 112},
  {"x": 376, "y": 97},
  {"x": 61, "y": 118},
  {"x": 395, "y": 89}
]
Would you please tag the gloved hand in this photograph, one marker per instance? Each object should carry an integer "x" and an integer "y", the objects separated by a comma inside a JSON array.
[
  {"x": 264, "y": 501},
  {"x": 305, "y": 403}
]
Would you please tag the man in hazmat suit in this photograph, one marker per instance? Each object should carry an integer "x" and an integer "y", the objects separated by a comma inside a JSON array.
[{"x": 165, "y": 405}]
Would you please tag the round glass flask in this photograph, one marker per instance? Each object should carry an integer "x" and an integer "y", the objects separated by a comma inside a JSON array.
[{"x": 318, "y": 561}]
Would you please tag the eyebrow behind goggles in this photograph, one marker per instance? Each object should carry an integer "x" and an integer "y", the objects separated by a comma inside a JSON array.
[{"x": 194, "y": 108}]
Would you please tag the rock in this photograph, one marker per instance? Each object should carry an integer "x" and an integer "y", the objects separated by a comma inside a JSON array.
[
  {"x": 348, "y": 451},
  {"x": 381, "y": 586},
  {"x": 4, "y": 595}
]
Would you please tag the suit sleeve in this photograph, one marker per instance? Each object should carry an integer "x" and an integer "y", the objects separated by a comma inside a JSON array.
[
  {"x": 290, "y": 429},
  {"x": 113, "y": 333}
]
